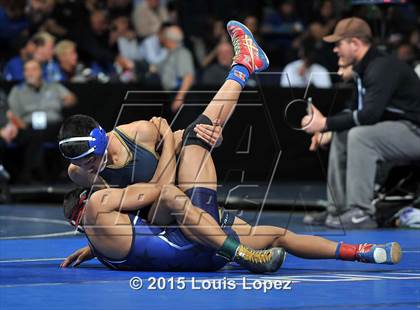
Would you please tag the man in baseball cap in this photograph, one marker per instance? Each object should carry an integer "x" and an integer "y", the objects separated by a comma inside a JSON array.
[
  {"x": 382, "y": 124},
  {"x": 344, "y": 34},
  {"x": 350, "y": 27}
]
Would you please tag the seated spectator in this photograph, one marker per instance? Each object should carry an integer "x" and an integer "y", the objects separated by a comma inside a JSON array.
[
  {"x": 93, "y": 43},
  {"x": 205, "y": 47},
  {"x": 326, "y": 16},
  {"x": 39, "y": 12},
  {"x": 216, "y": 73},
  {"x": 13, "y": 70},
  {"x": 36, "y": 106},
  {"x": 279, "y": 27},
  {"x": 177, "y": 70},
  {"x": 70, "y": 68},
  {"x": 8, "y": 132},
  {"x": 66, "y": 17},
  {"x": 405, "y": 53},
  {"x": 151, "y": 49},
  {"x": 12, "y": 21},
  {"x": 401, "y": 19},
  {"x": 119, "y": 7},
  {"x": 124, "y": 38},
  {"x": 93, "y": 40},
  {"x": 282, "y": 20},
  {"x": 304, "y": 71},
  {"x": 148, "y": 16},
  {"x": 324, "y": 54},
  {"x": 44, "y": 54}
]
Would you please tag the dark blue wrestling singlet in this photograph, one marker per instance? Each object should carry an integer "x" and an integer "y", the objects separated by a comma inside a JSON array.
[
  {"x": 140, "y": 168},
  {"x": 167, "y": 249}
]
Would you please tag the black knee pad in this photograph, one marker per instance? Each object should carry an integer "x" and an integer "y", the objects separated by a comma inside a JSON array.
[{"x": 190, "y": 137}]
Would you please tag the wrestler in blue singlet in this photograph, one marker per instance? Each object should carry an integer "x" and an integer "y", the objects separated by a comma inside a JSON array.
[{"x": 167, "y": 249}]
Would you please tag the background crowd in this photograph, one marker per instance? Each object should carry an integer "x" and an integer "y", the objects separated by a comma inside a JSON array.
[{"x": 178, "y": 43}]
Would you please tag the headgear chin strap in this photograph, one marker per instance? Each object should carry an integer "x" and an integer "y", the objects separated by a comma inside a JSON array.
[
  {"x": 77, "y": 213},
  {"x": 97, "y": 140}
]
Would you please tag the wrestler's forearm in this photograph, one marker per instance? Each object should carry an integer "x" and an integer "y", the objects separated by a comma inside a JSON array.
[
  {"x": 178, "y": 140},
  {"x": 165, "y": 171},
  {"x": 186, "y": 84},
  {"x": 131, "y": 198}
]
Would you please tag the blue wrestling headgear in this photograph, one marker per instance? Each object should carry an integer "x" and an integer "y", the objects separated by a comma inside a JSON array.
[{"x": 97, "y": 140}]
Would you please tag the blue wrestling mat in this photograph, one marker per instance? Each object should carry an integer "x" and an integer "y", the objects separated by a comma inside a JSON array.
[{"x": 35, "y": 239}]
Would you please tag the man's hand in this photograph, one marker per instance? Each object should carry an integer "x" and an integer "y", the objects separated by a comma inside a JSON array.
[
  {"x": 124, "y": 63},
  {"x": 320, "y": 139},
  {"x": 78, "y": 257},
  {"x": 346, "y": 72},
  {"x": 9, "y": 132},
  {"x": 314, "y": 122},
  {"x": 69, "y": 100},
  {"x": 15, "y": 120},
  {"x": 211, "y": 134}
]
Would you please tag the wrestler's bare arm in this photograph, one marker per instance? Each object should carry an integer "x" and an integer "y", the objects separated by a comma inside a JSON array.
[
  {"x": 149, "y": 133},
  {"x": 84, "y": 178},
  {"x": 78, "y": 257},
  {"x": 142, "y": 132},
  {"x": 165, "y": 171},
  {"x": 131, "y": 198}
]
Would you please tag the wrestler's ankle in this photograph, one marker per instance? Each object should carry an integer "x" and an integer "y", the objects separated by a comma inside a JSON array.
[
  {"x": 229, "y": 248},
  {"x": 239, "y": 74},
  {"x": 346, "y": 251}
]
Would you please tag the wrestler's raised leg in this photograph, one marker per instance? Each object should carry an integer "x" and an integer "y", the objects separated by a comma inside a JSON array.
[
  {"x": 197, "y": 177},
  {"x": 249, "y": 58}
]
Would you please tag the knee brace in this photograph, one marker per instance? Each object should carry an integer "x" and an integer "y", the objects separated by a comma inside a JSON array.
[{"x": 190, "y": 137}]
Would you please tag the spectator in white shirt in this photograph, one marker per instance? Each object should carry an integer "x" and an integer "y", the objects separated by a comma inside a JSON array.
[
  {"x": 152, "y": 50},
  {"x": 125, "y": 38},
  {"x": 304, "y": 71}
]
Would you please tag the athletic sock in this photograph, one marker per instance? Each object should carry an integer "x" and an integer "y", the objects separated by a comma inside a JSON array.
[
  {"x": 229, "y": 248},
  {"x": 239, "y": 74},
  {"x": 346, "y": 251}
]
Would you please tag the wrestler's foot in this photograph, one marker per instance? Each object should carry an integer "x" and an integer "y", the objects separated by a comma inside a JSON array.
[
  {"x": 260, "y": 261},
  {"x": 247, "y": 51},
  {"x": 389, "y": 253}
]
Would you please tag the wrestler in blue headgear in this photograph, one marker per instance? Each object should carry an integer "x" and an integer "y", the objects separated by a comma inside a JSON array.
[
  {"x": 97, "y": 141},
  {"x": 89, "y": 147},
  {"x": 84, "y": 142}
]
